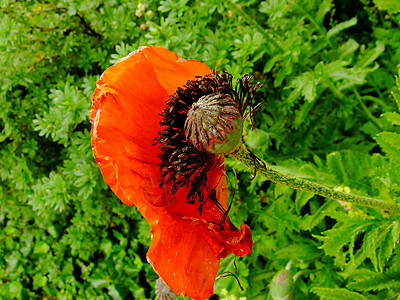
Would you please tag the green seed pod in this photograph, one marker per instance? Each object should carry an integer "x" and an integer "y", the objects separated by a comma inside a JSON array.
[
  {"x": 282, "y": 285},
  {"x": 232, "y": 140},
  {"x": 214, "y": 124}
]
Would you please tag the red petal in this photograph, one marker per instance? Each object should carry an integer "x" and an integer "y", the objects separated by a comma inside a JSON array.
[
  {"x": 125, "y": 115},
  {"x": 186, "y": 246},
  {"x": 182, "y": 256}
]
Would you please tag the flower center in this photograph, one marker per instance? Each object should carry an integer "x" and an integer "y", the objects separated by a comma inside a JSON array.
[
  {"x": 202, "y": 120},
  {"x": 214, "y": 124}
]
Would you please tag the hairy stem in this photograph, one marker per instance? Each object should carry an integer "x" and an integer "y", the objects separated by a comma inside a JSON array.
[{"x": 252, "y": 163}]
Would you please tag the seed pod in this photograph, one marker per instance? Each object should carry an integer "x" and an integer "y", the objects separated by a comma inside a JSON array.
[
  {"x": 282, "y": 286},
  {"x": 214, "y": 124}
]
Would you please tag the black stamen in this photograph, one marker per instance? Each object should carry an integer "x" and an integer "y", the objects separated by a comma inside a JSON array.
[
  {"x": 223, "y": 219},
  {"x": 181, "y": 164},
  {"x": 227, "y": 274}
]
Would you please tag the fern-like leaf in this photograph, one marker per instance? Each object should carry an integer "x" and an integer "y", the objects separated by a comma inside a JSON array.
[
  {"x": 337, "y": 294},
  {"x": 377, "y": 282}
]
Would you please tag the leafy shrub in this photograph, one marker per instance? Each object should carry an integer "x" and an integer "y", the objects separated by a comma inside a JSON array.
[{"x": 333, "y": 117}]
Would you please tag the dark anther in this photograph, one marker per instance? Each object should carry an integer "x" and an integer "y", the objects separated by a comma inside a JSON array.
[
  {"x": 182, "y": 164},
  {"x": 233, "y": 188}
]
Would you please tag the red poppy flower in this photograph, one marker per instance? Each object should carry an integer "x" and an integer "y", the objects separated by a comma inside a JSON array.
[{"x": 188, "y": 240}]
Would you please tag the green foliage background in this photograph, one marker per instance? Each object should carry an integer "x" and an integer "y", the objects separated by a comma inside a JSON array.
[{"x": 328, "y": 70}]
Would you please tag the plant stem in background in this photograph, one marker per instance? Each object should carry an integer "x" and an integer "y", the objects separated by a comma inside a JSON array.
[{"x": 246, "y": 158}]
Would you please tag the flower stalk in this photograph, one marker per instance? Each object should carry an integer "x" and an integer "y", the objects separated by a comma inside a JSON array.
[{"x": 245, "y": 157}]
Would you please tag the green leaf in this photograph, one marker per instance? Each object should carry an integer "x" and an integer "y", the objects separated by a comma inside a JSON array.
[
  {"x": 377, "y": 282},
  {"x": 390, "y": 5},
  {"x": 339, "y": 241},
  {"x": 370, "y": 246},
  {"x": 390, "y": 143},
  {"x": 323, "y": 9},
  {"x": 338, "y": 71},
  {"x": 371, "y": 55},
  {"x": 298, "y": 251},
  {"x": 39, "y": 281},
  {"x": 301, "y": 199},
  {"x": 258, "y": 138},
  {"x": 275, "y": 8},
  {"x": 106, "y": 247},
  {"x": 306, "y": 83},
  {"x": 11, "y": 290},
  {"x": 336, "y": 166},
  {"x": 392, "y": 117},
  {"x": 348, "y": 48},
  {"x": 389, "y": 243},
  {"x": 341, "y": 26},
  {"x": 396, "y": 94},
  {"x": 41, "y": 248},
  {"x": 99, "y": 283},
  {"x": 337, "y": 294}
]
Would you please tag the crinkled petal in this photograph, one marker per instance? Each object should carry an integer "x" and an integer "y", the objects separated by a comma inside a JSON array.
[
  {"x": 190, "y": 247},
  {"x": 186, "y": 247},
  {"x": 129, "y": 97},
  {"x": 179, "y": 248}
]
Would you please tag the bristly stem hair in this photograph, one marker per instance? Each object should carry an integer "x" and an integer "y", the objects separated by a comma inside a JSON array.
[{"x": 246, "y": 157}]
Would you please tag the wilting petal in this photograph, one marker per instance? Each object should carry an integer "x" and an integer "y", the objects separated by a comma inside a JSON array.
[{"x": 186, "y": 247}]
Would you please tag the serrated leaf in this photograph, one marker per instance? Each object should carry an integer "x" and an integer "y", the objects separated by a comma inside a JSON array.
[
  {"x": 113, "y": 292},
  {"x": 344, "y": 217},
  {"x": 390, "y": 143},
  {"x": 377, "y": 282},
  {"x": 306, "y": 83},
  {"x": 390, "y": 5},
  {"x": 302, "y": 198},
  {"x": 310, "y": 221},
  {"x": 389, "y": 243},
  {"x": 337, "y": 294},
  {"x": 335, "y": 239},
  {"x": 336, "y": 167},
  {"x": 392, "y": 117},
  {"x": 349, "y": 76},
  {"x": 369, "y": 245}
]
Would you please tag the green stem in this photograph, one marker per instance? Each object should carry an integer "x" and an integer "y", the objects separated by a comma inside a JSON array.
[
  {"x": 366, "y": 110},
  {"x": 245, "y": 157}
]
